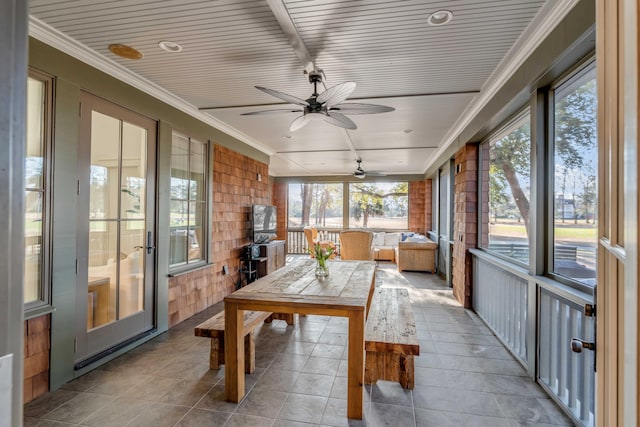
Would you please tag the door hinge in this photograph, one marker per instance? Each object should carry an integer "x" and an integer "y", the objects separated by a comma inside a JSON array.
[
  {"x": 76, "y": 267},
  {"x": 78, "y": 188},
  {"x": 80, "y": 109},
  {"x": 589, "y": 310},
  {"x": 75, "y": 345}
]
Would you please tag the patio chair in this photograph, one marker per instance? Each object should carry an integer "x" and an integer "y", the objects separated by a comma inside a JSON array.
[
  {"x": 311, "y": 233},
  {"x": 356, "y": 245}
]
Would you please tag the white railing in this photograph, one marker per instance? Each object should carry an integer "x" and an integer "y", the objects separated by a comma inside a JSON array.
[
  {"x": 500, "y": 299},
  {"x": 297, "y": 242},
  {"x": 568, "y": 375}
]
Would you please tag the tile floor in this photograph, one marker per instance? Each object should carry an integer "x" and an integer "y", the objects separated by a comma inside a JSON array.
[{"x": 463, "y": 377}]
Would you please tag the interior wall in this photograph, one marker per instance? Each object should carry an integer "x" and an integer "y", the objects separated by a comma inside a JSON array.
[{"x": 235, "y": 188}]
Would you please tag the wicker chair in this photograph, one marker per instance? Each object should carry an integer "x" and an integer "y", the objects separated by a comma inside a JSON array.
[
  {"x": 311, "y": 233},
  {"x": 356, "y": 245}
]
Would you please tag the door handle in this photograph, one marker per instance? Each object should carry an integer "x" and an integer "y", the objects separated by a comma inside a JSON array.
[{"x": 577, "y": 345}]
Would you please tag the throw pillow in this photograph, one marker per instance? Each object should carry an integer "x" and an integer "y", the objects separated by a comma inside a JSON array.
[{"x": 378, "y": 239}]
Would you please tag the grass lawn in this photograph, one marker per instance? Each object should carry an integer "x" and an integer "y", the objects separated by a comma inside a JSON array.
[{"x": 567, "y": 231}]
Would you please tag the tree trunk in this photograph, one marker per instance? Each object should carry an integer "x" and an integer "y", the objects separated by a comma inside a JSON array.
[
  {"x": 521, "y": 199},
  {"x": 306, "y": 194}
]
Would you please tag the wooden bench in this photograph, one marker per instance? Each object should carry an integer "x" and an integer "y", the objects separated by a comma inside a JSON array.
[
  {"x": 214, "y": 329},
  {"x": 391, "y": 339}
]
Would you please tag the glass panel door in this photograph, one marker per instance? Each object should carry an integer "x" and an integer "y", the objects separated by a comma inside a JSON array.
[{"x": 116, "y": 208}]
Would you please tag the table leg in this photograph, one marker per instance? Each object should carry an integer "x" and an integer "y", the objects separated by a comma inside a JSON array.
[
  {"x": 233, "y": 352},
  {"x": 355, "y": 388}
]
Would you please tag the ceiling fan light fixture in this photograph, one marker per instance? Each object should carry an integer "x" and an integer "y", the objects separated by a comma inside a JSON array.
[
  {"x": 170, "y": 46},
  {"x": 440, "y": 17}
]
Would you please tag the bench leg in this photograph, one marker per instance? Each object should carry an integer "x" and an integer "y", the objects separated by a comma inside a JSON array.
[
  {"x": 216, "y": 356},
  {"x": 287, "y": 317},
  {"x": 389, "y": 367},
  {"x": 249, "y": 353},
  {"x": 406, "y": 371},
  {"x": 371, "y": 368}
]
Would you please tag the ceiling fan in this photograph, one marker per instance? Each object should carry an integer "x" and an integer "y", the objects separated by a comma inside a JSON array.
[
  {"x": 325, "y": 106},
  {"x": 360, "y": 173}
]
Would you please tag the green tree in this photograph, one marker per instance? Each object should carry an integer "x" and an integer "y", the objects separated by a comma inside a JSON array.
[
  {"x": 498, "y": 198},
  {"x": 575, "y": 133},
  {"x": 368, "y": 200},
  {"x": 510, "y": 155}
]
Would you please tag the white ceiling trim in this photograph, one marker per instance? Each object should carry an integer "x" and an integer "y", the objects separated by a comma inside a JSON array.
[
  {"x": 550, "y": 15},
  {"x": 51, "y": 36}
]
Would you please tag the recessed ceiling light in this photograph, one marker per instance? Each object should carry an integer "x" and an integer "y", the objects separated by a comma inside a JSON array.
[
  {"x": 124, "y": 51},
  {"x": 286, "y": 137},
  {"x": 170, "y": 46},
  {"x": 440, "y": 17},
  {"x": 408, "y": 131}
]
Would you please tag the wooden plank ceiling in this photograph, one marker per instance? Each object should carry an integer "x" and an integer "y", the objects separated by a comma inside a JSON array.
[{"x": 430, "y": 74}]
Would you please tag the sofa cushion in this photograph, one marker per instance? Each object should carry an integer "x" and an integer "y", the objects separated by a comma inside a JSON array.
[
  {"x": 385, "y": 253},
  {"x": 391, "y": 239},
  {"x": 378, "y": 239}
]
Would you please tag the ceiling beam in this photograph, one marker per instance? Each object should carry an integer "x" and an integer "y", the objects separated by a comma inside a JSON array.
[{"x": 281, "y": 14}]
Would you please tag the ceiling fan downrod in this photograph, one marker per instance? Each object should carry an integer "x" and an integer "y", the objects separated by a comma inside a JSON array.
[{"x": 315, "y": 77}]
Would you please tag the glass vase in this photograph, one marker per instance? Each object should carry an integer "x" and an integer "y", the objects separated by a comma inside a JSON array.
[{"x": 322, "y": 269}]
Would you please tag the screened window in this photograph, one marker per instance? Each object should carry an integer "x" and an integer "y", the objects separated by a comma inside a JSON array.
[
  {"x": 506, "y": 180},
  {"x": 316, "y": 204},
  {"x": 379, "y": 205},
  {"x": 187, "y": 236},
  {"x": 36, "y": 170},
  {"x": 575, "y": 155}
]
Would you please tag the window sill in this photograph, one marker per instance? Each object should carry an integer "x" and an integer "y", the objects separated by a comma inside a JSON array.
[
  {"x": 38, "y": 311},
  {"x": 188, "y": 269}
]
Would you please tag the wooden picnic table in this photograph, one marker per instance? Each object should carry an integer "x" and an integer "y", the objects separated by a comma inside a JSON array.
[{"x": 346, "y": 292}]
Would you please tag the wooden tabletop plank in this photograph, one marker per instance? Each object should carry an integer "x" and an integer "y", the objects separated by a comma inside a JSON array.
[{"x": 347, "y": 285}]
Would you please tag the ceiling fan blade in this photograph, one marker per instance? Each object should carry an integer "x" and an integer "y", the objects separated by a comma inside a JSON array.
[
  {"x": 336, "y": 94},
  {"x": 340, "y": 120},
  {"x": 280, "y": 110},
  {"x": 299, "y": 122},
  {"x": 376, "y": 173},
  {"x": 354, "y": 108},
  {"x": 285, "y": 97}
]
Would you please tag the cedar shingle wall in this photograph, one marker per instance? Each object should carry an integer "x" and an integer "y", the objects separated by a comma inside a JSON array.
[
  {"x": 417, "y": 206},
  {"x": 36, "y": 357},
  {"x": 465, "y": 228},
  {"x": 428, "y": 209},
  {"x": 279, "y": 200},
  {"x": 235, "y": 189}
]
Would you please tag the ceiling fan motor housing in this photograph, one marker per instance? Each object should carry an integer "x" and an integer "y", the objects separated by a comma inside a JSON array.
[{"x": 315, "y": 76}]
